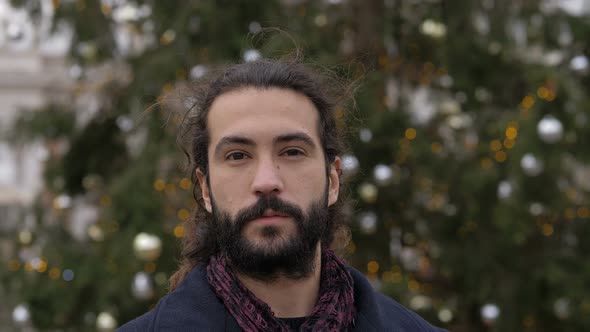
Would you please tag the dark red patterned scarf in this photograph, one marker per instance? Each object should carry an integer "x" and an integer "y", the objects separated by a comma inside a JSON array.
[{"x": 334, "y": 310}]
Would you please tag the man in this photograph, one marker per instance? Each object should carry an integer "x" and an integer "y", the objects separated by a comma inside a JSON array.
[{"x": 265, "y": 151}]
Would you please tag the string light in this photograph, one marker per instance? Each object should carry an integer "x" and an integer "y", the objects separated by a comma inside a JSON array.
[
  {"x": 500, "y": 156},
  {"x": 183, "y": 214},
  {"x": 509, "y": 143},
  {"x": 106, "y": 201},
  {"x": 159, "y": 185},
  {"x": 511, "y": 133},
  {"x": 527, "y": 102},
  {"x": 170, "y": 188},
  {"x": 436, "y": 147},
  {"x": 547, "y": 229},
  {"x": 495, "y": 145},
  {"x": 413, "y": 285},
  {"x": 185, "y": 183},
  {"x": 179, "y": 231},
  {"x": 486, "y": 163},
  {"x": 351, "y": 247},
  {"x": 149, "y": 267},
  {"x": 373, "y": 267},
  {"x": 583, "y": 212},
  {"x": 54, "y": 273},
  {"x": 410, "y": 134}
]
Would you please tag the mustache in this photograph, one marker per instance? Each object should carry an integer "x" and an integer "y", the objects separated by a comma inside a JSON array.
[{"x": 264, "y": 203}]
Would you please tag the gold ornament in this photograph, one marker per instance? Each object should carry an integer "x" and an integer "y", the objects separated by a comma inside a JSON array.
[
  {"x": 147, "y": 247},
  {"x": 368, "y": 192}
]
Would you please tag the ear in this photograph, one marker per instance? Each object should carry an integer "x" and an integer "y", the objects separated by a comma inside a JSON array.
[
  {"x": 334, "y": 181},
  {"x": 204, "y": 190}
]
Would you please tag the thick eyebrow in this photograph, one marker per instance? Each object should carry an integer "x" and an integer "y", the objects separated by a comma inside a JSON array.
[
  {"x": 286, "y": 138},
  {"x": 229, "y": 140},
  {"x": 295, "y": 137}
]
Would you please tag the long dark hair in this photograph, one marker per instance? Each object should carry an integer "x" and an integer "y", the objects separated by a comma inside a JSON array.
[{"x": 326, "y": 92}]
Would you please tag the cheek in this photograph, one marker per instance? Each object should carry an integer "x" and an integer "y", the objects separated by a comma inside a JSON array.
[
  {"x": 308, "y": 187},
  {"x": 227, "y": 191}
]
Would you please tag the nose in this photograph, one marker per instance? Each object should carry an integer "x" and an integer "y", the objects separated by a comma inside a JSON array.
[{"x": 267, "y": 179}]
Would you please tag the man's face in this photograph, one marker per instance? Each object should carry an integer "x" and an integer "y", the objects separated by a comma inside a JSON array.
[{"x": 267, "y": 170}]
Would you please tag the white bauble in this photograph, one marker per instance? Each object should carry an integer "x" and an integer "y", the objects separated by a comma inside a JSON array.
[
  {"x": 105, "y": 322},
  {"x": 147, "y": 247},
  {"x": 142, "y": 286},
  {"x": 531, "y": 165},
  {"x": 490, "y": 313},
  {"x": 550, "y": 129}
]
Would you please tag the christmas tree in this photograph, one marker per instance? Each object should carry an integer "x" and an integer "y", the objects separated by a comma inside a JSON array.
[{"x": 467, "y": 168}]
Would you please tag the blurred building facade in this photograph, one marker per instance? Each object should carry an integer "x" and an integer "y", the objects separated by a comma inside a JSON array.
[{"x": 33, "y": 73}]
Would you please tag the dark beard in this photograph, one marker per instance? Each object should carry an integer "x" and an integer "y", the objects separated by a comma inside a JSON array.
[{"x": 289, "y": 257}]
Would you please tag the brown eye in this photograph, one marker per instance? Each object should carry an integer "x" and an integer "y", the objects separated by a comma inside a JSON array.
[
  {"x": 293, "y": 152},
  {"x": 236, "y": 156}
]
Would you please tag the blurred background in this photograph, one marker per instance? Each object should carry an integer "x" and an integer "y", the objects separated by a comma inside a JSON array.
[{"x": 468, "y": 164}]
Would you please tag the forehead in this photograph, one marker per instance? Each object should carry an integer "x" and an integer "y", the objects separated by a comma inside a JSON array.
[{"x": 258, "y": 112}]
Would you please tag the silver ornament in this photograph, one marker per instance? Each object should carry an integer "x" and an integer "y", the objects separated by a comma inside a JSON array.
[
  {"x": 126, "y": 13},
  {"x": 450, "y": 106},
  {"x": 445, "y": 81},
  {"x": 550, "y": 129},
  {"x": 433, "y": 29},
  {"x": 459, "y": 121},
  {"x": 197, "y": 72},
  {"x": 562, "y": 308},
  {"x": 95, "y": 233},
  {"x": 254, "y": 27},
  {"x": 504, "y": 190},
  {"x": 368, "y": 222},
  {"x": 147, "y": 247},
  {"x": 410, "y": 258},
  {"x": 531, "y": 165},
  {"x": 368, "y": 192},
  {"x": 420, "y": 302},
  {"x": 579, "y": 63},
  {"x": 383, "y": 174},
  {"x": 490, "y": 313},
  {"x": 350, "y": 165},
  {"x": 481, "y": 23},
  {"x": 251, "y": 55},
  {"x": 142, "y": 287},
  {"x": 68, "y": 275},
  {"x": 445, "y": 315},
  {"x": 365, "y": 135},
  {"x": 125, "y": 123},
  {"x": 21, "y": 315},
  {"x": 62, "y": 201},
  {"x": 105, "y": 322},
  {"x": 536, "y": 209},
  {"x": 25, "y": 237}
]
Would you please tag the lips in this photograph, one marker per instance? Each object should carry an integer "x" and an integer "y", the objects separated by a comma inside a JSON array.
[
  {"x": 271, "y": 217},
  {"x": 272, "y": 213}
]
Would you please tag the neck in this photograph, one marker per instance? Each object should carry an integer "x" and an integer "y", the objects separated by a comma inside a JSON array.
[{"x": 286, "y": 297}]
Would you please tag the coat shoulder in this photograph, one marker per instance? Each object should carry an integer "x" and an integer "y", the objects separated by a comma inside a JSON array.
[
  {"x": 191, "y": 307},
  {"x": 144, "y": 322},
  {"x": 405, "y": 319},
  {"x": 378, "y": 312}
]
